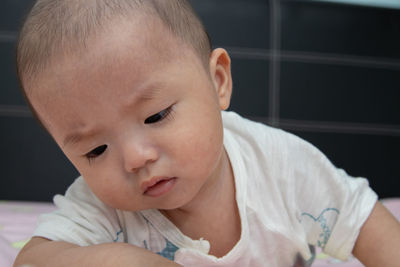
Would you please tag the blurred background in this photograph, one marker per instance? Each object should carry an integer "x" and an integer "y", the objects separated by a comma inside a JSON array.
[{"x": 328, "y": 71}]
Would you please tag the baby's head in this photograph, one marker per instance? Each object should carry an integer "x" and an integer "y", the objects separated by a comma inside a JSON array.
[
  {"x": 56, "y": 28},
  {"x": 131, "y": 92}
]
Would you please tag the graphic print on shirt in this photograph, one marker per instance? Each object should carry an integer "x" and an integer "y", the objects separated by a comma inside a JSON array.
[
  {"x": 117, "y": 235},
  {"x": 326, "y": 220},
  {"x": 168, "y": 252}
]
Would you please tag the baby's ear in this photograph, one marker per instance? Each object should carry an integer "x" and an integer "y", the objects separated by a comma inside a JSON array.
[{"x": 220, "y": 70}]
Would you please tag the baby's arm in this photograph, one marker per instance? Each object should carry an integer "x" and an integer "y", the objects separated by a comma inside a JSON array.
[
  {"x": 41, "y": 252},
  {"x": 379, "y": 241}
]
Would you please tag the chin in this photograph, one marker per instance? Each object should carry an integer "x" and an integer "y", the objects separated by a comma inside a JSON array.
[{"x": 173, "y": 204}]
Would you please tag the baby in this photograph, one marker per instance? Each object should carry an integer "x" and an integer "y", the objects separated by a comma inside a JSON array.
[{"x": 133, "y": 95}]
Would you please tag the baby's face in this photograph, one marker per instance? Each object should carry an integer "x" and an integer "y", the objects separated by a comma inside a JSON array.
[{"x": 140, "y": 123}]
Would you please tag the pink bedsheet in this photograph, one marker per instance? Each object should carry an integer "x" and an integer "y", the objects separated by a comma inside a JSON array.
[
  {"x": 17, "y": 223},
  {"x": 18, "y": 220}
]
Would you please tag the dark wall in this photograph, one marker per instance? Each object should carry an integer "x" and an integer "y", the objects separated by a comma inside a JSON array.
[{"x": 329, "y": 73}]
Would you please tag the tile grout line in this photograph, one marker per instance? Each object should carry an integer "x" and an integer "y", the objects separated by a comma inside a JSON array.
[
  {"x": 15, "y": 111},
  {"x": 336, "y": 127},
  {"x": 8, "y": 36},
  {"x": 249, "y": 53},
  {"x": 311, "y": 57},
  {"x": 274, "y": 73},
  {"x": 337, "y": 59}
]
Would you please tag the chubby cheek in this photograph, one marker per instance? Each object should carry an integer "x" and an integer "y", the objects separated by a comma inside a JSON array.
[
  {"x": 119, "y": 196},
  {"x": 200, "y": 149},
  {"x": 109, "y": 185}
]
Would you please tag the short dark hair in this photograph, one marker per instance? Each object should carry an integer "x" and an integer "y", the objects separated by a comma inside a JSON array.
[{"x": 55, "y": 26}]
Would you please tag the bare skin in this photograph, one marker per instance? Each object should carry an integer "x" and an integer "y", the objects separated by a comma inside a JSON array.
[
  {"x": 64, "y": 254},
  {"x": 379, "y": 241},
  {"x": 222, "y": 235}
]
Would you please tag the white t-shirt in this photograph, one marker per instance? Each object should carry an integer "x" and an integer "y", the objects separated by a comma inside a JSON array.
[{"x": 290, "y": 199}]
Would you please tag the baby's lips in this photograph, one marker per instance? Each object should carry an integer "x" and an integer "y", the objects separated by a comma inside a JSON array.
[
  {"x": 144, "y": 186},
  {"x": 160, "y": 188}
]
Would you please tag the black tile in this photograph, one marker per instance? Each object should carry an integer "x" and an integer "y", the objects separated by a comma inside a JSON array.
[
  {"x": 12, "y": 13},
  {"x": 10, "y": 93},
  {"x": 33, "y": 167},
  {"x": 250, "y": 87},
  {"x": 371, "y": 156},
  {"x": 341, "y": 29},
  {"x": 235, "y": 22},
  {"x": 339, "y": 93}
]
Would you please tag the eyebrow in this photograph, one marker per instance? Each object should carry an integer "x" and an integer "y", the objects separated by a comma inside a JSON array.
[
  {"x": 77, "y": 136},
  {"x": 141, "y": 96},
  {"x": 147, "y": 94},
  {"x": 71, "y": 139}
]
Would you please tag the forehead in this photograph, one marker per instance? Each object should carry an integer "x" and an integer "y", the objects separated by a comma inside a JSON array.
[
  {"x": 134, "y": 46},
  {"x": 123, "y": 56},
  {"x": 141, "y": 36}
]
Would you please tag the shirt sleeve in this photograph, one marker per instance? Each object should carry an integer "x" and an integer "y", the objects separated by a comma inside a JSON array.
[
  {"x": 81, "y": 218},
  {"x": 331, "y": 206}
]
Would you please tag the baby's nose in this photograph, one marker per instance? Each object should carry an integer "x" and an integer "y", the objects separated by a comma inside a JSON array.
[{"x": 138, "y": 154}]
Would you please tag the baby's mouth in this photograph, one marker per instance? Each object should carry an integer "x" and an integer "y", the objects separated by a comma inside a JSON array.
[{"x": 158, "y": 186}]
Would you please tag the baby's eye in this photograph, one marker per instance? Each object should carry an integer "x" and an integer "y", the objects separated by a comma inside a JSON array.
[
  {"x": 158, "y": 116},
  {"x": 96, "y": 152}
]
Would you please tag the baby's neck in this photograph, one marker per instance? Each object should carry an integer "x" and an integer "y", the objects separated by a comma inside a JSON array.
[{"x": 214, "y": 217}]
